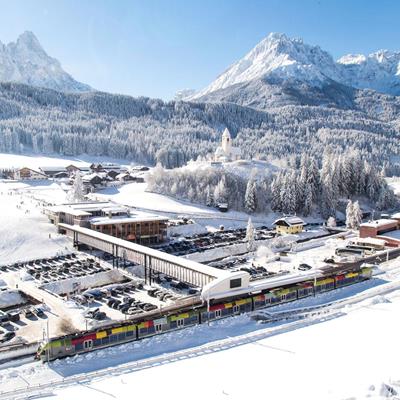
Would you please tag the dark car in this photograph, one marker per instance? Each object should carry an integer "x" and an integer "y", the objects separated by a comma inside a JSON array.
[
  {"x": 13, "y": 316},
  {"x": 7, "y": 336},
  {"x": 304, "y": 267}
]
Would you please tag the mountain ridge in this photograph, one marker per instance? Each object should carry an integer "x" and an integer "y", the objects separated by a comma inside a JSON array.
[
  {"x": 25, "y": 61},
  {"x": 278, "y": 58}
]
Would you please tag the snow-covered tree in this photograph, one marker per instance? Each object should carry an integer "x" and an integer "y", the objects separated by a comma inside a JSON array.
[
  {"x": 250, "y": 197},
  {"x": 77, "y": 191},
  {"x": 250, "y": 235},
  {"x": 331, "y": 222},
  {"x": 220, "y": 192},
  {"x": 349, "y": 215}
]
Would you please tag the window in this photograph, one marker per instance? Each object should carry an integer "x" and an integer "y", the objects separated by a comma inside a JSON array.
[
  {"x": 158, "y": 327},
  {"x": 235, "y": 309},
  {"x": 88, "y": 344},
  {"x": 217, "y": 313},
  {"x": 235, "y": 283},
  {"x": 180, "y": 322}
]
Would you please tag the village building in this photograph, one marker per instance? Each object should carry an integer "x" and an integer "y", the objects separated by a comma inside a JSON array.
[
  {"x": 72, "y": 169},
  {"x": 93, "y": 180},
  {"x": 378, "y": 227},
  {"x": 226, "y": 152},
  {"x": 28, "y": 174},
  {"x": 61, "y": 175},
  {"x": 105, "y": 167},
  {"x": 51, "y": 171},
  {"x": 112, "y": 174},
  {"x": 384, "y": 229},
  {"x": 111, "y": 219},
  {"x": 289, "y": 225}
]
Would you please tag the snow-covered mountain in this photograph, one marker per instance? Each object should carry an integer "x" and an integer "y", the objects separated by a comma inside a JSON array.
[
  {"x": 278, "y": 59},
  {"x": 379, "y": 71},
  {"x": 25, "y": 61}
]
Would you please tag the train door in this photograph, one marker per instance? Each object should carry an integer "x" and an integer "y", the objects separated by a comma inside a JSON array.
[
  {"x": 180, "y": 323},
  {"x": 88, "y": 344}
]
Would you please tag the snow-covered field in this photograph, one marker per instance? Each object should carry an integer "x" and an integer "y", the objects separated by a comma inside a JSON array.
[
  {"x": 35, "y": 161},
  {"x": 25, "y": 232},
  {"x": 347, "y": 357}
]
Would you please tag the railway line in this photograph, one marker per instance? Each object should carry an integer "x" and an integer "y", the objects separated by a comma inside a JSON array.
[{"x": 296, "y": 318}]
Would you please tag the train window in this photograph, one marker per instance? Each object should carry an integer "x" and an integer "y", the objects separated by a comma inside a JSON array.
[
  {"x": 88, "y": 344},
  {"x": 235, "y": 309},
  {"x": 217, "y": 313},
  {"x": 158, "y": 327},
  {"x": 235, "y": 283},
  {"x": 180, "y": 322}
]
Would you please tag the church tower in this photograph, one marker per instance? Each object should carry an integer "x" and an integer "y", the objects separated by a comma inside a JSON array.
[{"x": 226, "y": 142}]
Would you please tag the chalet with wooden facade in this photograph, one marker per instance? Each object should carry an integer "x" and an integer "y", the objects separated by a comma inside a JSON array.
[
  {"x": 28, "y": 174},
  {"x": 289, "y": 225}
]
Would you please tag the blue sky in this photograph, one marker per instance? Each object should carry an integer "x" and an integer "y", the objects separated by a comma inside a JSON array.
[{"x": 154, "y": 48}]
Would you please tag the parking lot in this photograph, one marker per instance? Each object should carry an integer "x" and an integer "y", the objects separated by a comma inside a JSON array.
[
  {"x": 211, "y": 240},
  {"x": 78, "y": 291}
]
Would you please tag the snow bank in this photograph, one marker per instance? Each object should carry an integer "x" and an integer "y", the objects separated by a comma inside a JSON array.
[{"x": 10, "y": 298}]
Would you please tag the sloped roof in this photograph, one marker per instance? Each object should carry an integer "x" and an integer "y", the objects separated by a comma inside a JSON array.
[{"x": 290, "y": 221}]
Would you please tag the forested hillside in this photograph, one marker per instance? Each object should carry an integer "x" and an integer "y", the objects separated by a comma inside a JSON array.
[{"x": 150, "y": 130}]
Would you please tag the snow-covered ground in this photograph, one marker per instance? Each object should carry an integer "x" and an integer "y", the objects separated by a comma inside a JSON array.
[
  {"x": 349, "y": 352},
  {"x": 394, "y": 183},
  {"x": 25, "y": 232},
  {"x": 35, "y": 161}
]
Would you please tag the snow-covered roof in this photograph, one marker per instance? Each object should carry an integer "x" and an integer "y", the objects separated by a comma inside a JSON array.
[
  {"x": 379, "y": 223},
  {"x": 396, "y": 215},
  {"x": 53, "y": 169},
  {"x": 189, "y": 264},
  {"x": 80, "y": 208},
  {"x": 114, "y": 209},
  {"x": 290, "y": 221},
  {"x": 369, "y": 240},
  {"x": 142, "y": 217},
  {"x": 33, "y": 170},
  {"x": 89, "y": 177},
  {"x": 68, "y": 210}
]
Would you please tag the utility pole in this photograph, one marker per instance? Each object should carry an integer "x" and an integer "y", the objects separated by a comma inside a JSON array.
[{"x": 48, "y": 341}]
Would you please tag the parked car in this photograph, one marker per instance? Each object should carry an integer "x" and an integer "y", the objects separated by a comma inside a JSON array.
[
  {"x": 7, "y": 336},
  {"x": 13, "y": 316},
  {"x": 38, "y": 311},
  {"x": 27, "y": 312}
]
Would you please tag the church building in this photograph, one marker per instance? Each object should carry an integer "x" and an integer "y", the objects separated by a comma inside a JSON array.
[{"x": 226, "y": 152}]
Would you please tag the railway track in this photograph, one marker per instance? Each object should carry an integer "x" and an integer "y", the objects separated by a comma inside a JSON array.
[{"x": 298, "y": 318}]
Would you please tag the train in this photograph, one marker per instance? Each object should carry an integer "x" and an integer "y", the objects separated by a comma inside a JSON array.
[{"x": 197, "y": 312}]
